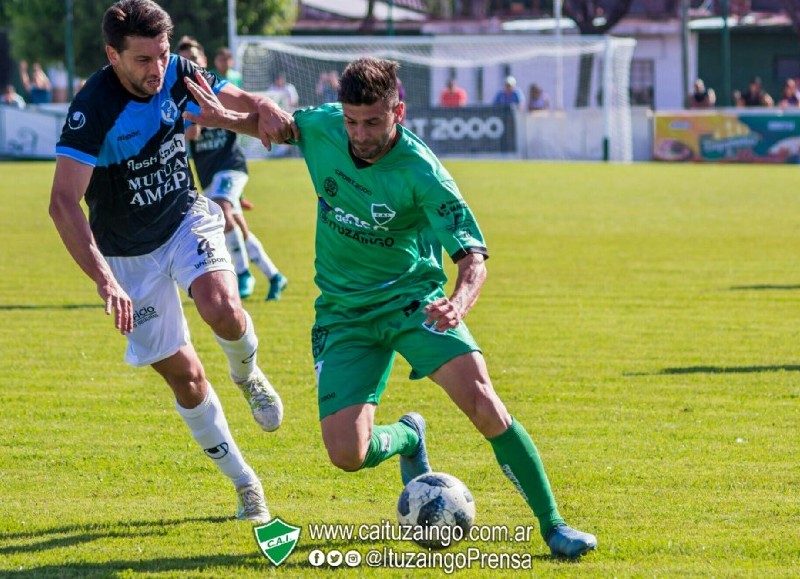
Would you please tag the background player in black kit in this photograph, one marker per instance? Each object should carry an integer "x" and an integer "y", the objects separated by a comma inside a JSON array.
[
  {"x": 222, "y": 169},
  {"x": 123, "y": 150}
]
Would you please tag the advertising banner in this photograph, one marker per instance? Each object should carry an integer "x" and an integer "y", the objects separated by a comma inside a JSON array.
[
  {"x": 735, "y": 135},
  {"x": 468, "y": 131},
  {"x": 29, "y": 133}
]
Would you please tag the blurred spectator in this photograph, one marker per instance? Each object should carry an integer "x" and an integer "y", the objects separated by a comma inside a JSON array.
[
  {"x": 328, "y": 86},
  {"x": 284, "y": 93},
  {"x": 538, "y": 100},
  {"x": 736, "y": 98},
  {"x": 790, "y": 97},
  {"x": 58, "y": 78},
  {"x": 224, "y": 63},
  {"x": 756, "y": 96},
  {"x": 510, "y": 94},
  {"x": 702, "y": 97},
  {"x": 452, "y": 95},
  {"x": 10, "y": 98},
  {"x": 401, "y": 91},
  {"x": 36, "y": 83}
]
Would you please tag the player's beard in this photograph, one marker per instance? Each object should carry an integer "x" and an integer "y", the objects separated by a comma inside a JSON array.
[
  {"x": 150, "y": 86},
  {"x": 374, "y": 150},
  {"x": 143, "y": 88}
]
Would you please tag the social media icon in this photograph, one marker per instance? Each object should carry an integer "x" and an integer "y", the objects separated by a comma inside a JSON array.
[
  {"x": 334, "y": 558},
  {"x": 316, "y": 558},
  {"x": 352, "y": 558}
]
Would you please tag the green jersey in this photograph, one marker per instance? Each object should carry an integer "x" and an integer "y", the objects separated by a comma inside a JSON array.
[{"x": 381, "y": 227}]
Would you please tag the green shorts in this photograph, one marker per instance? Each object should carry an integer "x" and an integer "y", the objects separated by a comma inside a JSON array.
[{"x": 354, "y": 349}]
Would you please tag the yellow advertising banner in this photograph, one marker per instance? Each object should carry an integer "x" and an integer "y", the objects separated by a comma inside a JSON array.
[{"x": 733, "y": 135}]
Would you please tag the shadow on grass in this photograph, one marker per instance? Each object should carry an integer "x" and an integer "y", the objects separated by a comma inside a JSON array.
[
  {"x": 66, "y": 536},
  {"x": 719, "y": 370},
  {"x": 762, "y": 287},
  {"x": 200, "y": 565},
  {"x": 9, "y": 307}
]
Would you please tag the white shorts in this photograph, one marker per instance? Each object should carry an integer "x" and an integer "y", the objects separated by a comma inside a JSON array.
[
  {"x": 152, "y": 280},
  {"x": 228, "y": 186}
]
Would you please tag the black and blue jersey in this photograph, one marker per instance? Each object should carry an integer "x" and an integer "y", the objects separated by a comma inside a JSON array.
[
  {"x": 216, "y": 150},
  {"x": 142, "y": 185}
]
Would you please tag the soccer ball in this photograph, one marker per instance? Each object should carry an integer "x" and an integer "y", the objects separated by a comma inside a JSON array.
[{"x": 436, "y": 509}]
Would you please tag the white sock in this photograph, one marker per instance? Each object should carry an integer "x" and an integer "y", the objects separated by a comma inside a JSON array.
[
  {"x": 241, "y": 353},
  {"x": 259, "y": 257},
  {"x": 234, "y": 241},
  {"x": 210, "y": 429}
]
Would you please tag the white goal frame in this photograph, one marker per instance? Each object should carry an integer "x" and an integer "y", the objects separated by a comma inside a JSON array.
[{"x": 480, "y": 63}]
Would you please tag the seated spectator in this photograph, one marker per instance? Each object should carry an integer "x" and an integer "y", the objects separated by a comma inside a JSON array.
[
  {"x": 452, "y": 95},
  {"x": 702, "y": 97},
  {"x": 36, "y": 83},
  {"x": 790, "y": 97},
  {"x": 756, "y": 96},
  {"x": 510, "y": 94},
  {"x": 538, "y": 100},
  {"x": 10, "y": 98}
]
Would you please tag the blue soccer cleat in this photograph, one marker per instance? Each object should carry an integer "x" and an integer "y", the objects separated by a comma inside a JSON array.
[
  {"x": 416, "y": 464},
  {"x": 247, "y": 284},
  {"x": 276, "y": 285},
  {"x": 565, "y": 541}
]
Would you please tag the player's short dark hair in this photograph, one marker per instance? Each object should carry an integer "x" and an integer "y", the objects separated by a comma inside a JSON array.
[
  {"x": 134, "y": 18},
  {"x": 187, "y": 42},
  {"x": 368, "y": 80}
]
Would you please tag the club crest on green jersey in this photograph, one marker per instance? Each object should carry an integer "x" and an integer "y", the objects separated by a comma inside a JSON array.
[{"x": 382, "y": 213}]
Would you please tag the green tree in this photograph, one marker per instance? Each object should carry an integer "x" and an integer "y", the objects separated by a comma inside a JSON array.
[
  {"x": 593, "y": 17},
  {"x": 38, "y": 29}
]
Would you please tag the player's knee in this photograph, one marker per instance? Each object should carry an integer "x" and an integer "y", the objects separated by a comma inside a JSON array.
[
  {"x": 346, "y": 459},
  {"x": 488, "y": 413}
]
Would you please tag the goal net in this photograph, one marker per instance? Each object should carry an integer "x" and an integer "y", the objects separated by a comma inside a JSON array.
[{"x": 580, "y": 123}]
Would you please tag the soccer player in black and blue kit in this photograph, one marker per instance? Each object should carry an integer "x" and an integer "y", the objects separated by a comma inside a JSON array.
[
  {"x": 149, "y": 233},
  {"x": 387, "y": 209}
]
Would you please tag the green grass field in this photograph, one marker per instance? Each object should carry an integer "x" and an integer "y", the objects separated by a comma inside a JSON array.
[{"x": 641, "y": 321}]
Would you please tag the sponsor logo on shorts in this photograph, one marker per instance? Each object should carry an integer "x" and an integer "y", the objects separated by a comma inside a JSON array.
[
  {"x": 431, "y": 327},
  {"x": 217, "y": 452},
  {"x": 319, "y": 335},
  {"x": 205, "y": 247},
  {"x": 144, "y": 314}
]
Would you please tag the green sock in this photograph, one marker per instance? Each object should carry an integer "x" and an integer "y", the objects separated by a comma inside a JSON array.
[
  {"x": 519, "y": 460},
  {"x": 386, "y": 441}
]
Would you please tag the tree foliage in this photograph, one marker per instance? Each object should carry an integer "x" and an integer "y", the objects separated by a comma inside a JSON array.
[
  {"x": 596, "y": 16},
  {"x": 38, "y": 27}
]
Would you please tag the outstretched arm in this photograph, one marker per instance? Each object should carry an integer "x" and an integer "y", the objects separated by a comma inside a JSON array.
[
  {"x": 447, "y": 313},
  {"x": 69, "y": 184},
  {"x": 241, "y": 112}
]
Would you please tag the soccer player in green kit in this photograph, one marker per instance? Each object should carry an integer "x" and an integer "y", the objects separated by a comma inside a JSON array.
[{"x": 386, "y": 210}]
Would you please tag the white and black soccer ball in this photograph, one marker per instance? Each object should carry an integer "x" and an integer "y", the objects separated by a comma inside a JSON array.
[{"x": 439, "y": 509}]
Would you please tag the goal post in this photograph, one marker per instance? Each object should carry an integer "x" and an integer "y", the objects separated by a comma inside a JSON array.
[{"x": 564, "y": 67}]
